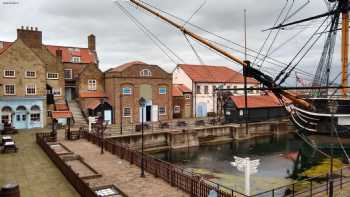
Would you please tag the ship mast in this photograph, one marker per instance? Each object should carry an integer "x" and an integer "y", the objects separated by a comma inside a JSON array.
[
  {"x": 345, "y": 44},
  {"x": 264, "y": 79}
]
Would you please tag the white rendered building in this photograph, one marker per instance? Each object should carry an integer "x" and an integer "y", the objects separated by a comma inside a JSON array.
[{"x": 203, "y": 79}]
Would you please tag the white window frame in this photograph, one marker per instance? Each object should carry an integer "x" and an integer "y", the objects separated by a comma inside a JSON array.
[
  {"x": 54, "y": 91},
  {"x": 53, "y": 78},
  {"x": 92, "y": 84},
  {"x": 35, "y": 113},
  {"x": 125, "y": 88},
  {"x": 160, "y": 113},
  {"x": 71, "y": 73},
  {"x": 198, "y": 87},
  {"x": 14, "y": 89},
  {"x": 163, "y": 93},
  {"x": 177, "y": 109},
  {"x": 30, "y": 77},
  {"x": 7, "y": 76},
  {"x": 27, "y": 86},
  {"x": 206, "y": 89},
  {"x": 127, "y": 116},
  {"x": 149, "y": 73},
  {"x": 76, "y": 59}
]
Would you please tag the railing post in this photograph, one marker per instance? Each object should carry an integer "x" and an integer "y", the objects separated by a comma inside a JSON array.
[
  {"x": 327, "y": 183},
  {"x": 341, "y": 179},
  {"x": 311, "y": 188},
  {"x": 273, "y": 192},
  {"x": 293, "y": 189}
]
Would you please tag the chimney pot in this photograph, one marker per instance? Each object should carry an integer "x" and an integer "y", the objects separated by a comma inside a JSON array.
[
  {"x": 27, "y": 28},
  {"x": 92, "y": 42},
  {"x": 22, "y": 27},
  {"x": 59, "y": 55},
  {"x": 36, "y": 28}
]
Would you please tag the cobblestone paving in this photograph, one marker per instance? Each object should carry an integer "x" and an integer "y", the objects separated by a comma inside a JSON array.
[
  {"x": 36, "y": 175},
  {"x": 120, "y": 173}
]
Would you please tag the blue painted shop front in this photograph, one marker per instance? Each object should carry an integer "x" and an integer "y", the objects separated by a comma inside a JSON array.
[{"x": 23, "y": 112}]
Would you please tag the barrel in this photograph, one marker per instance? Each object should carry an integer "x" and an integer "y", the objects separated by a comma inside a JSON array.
[{"x": 10, "y": 190}]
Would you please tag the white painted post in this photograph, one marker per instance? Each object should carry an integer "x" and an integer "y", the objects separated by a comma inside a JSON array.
[
  {"x": 247, "y": 176},
  {"x": 248, "y": 167},
  {"x": 92, "y": 120}
]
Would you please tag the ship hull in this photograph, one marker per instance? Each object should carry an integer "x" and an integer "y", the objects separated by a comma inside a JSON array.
[{"x": 320, "y": 120}]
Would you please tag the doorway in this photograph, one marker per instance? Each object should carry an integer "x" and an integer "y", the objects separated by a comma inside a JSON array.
[{"x": 148, "y": 113}]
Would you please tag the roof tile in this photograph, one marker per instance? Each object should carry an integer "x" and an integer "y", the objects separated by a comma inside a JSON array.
[
  {"x": 213, "y": 74},
  {"x": 264, "y": 101}
]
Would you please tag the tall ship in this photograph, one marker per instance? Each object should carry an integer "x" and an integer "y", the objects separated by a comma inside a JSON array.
[{"x": 325, "y": 107}]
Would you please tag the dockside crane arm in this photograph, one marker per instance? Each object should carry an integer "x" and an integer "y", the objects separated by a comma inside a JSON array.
[{"x": 250, "y": 71}]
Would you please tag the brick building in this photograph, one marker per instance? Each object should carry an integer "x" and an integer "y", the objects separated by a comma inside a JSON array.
[
  {"x": 182, "y": 101},
  {"x": 127, "y": 83},
  {"x": 38, "y": 78}
]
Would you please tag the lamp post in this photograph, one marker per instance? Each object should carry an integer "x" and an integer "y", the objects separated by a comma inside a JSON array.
[
  {"x": 333, "y": 109},
  {"x": 142, "y": 102}
]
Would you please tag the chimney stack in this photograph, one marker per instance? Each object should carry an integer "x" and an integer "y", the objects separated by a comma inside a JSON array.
[
  {"x": 30, "y": 36},
  {"x": 59, "y": 55},
  {"x": 92, "y": 42}
]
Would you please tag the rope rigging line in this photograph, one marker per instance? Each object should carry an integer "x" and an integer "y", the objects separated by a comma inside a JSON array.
[
  {"x": 195, "y": 12},
  {"x": 216, "y": 35},
  {"x": 150, "y": 34},
  {"x": 301, "y": 58},
  {"x": 270, "y": 32},
  {"x": 277, "y": 34},
  {"x": 299, "y": 52},
  {"x": 200, "y": 60}
]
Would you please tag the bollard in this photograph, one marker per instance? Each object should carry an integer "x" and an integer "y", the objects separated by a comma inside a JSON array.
[{"x": 10, "y": 190}]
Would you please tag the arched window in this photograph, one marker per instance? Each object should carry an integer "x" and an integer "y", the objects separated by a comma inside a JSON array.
[
  {"x": 146, "y": 73},
  {"x": 6, "y": 109},
  {"x": 21, "y": 108},
  {"x": 35, "y": 108},
  {"x": 35, "y": 113}
]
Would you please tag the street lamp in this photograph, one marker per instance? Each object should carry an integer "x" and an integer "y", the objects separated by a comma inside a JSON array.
[
  {"x": 333, "y": 109},
  {"x": 142, "y": 102}
]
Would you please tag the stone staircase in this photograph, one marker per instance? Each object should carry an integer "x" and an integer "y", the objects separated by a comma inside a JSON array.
[{"x": 79, "y": 120}]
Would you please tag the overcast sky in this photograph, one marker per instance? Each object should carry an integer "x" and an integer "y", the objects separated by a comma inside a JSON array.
[{"x": 67, "y": 22}]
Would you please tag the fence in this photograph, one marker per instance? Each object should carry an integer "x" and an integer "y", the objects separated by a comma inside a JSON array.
[
  {"x": 80, "y": 186},
  {"x": 176, "y": 124},
  {"x": 175, "y": 176},
  {"x": 311, "y": 186},
  {"x": 200, "y": 187}
]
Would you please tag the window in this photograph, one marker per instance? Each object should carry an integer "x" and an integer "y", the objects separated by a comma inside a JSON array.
[
  {"x": 24, "y": 117},
  {"x": 177, "y": 109},
  {"x": 68, "y": 74},
  {"x": 235, "y": 89},
  {"x": 214, "y": 87},
  {"x": 10, "y": 73},
  {"x": 9, "y": 89},
  {"x": 127, "y": 112},
  {"x": 206, "y": 90},
  {"x": 49, "y": 113},
  {"x": 146, "y": 73},
  {"x": 30, "y": 89},
  {"x": 162, "y": 90},
  {"x": 92, "y": 84},
  {"x": 56, "y": 92},
  {"x": 35, "y": 117},
  {"x": 229, "y": 87},
  {"x": 162, "y": 111},
  {"x": 187, "y": 96},
  {"x": 30, "y": 74},
  {"x": 198, "y": 89},
  {"x": 127, "y": 91},
  {"x": 251, "y": 91},
  {"x": 52, "y": 75},
  {"x": 5, "y": 119},
  {"x": 75, "y": 59}
]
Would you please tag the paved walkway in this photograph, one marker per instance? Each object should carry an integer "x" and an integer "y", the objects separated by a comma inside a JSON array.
[
  {"x": 33, "y": 170},
  {"x": 120, "y": 173}
]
